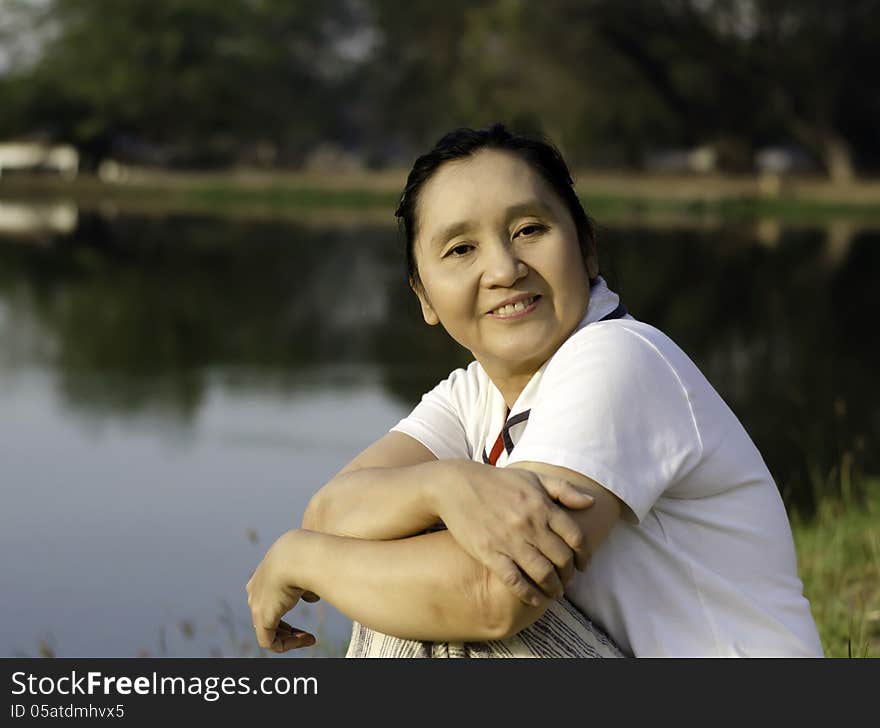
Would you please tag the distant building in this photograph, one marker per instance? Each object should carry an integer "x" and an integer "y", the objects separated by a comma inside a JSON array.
[
  {"x": 700, "y": 160},
  {"x": 22, "y": 219},
  {"x": 784, "y": 159},
  {"x": 39, "y": 157}
]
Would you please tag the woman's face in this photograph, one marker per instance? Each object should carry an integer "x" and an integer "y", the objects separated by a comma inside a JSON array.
[{"x": 499, "y": 262}]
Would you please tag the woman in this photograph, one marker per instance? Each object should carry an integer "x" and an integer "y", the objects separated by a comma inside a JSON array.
[{"x": 581, "y": 465}]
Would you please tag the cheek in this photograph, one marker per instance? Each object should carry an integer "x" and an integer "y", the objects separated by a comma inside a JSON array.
[
  {"x": 450, "y": 285},
  {"x": 574, "y": 289},
  {"x": 446, "y": 295}
]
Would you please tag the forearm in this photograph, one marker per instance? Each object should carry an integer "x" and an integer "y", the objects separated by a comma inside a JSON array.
[
  {"x": 379, "y": 503},
  {"x": 424, "y": 587}
]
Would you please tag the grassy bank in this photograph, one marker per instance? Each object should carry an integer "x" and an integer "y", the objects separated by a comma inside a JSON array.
[
  {"x": 608, "y": 197},
  {"x": 839, "y": 563}
]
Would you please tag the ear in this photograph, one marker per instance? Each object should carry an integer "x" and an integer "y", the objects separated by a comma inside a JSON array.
[{"x": 428, "y": 312}]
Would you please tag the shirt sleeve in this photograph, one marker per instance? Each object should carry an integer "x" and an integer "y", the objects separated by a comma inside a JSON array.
[
  {"x": 439, "y": 421},
  {"x": 612, "y": 407}
]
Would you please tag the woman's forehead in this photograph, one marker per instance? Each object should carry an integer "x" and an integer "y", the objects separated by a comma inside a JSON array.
[{"x": 488, "y": 182}]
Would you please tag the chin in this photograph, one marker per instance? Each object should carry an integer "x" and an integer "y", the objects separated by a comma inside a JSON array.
[
  {"x": 524, "y": 361},
  {"x": 530, "y": 349}
]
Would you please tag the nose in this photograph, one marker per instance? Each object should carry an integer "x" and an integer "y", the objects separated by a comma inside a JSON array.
[{"x": 502, "y": 265}]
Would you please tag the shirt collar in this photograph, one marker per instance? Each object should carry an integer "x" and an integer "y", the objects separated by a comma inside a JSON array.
[{"x": 602, "y": 302}]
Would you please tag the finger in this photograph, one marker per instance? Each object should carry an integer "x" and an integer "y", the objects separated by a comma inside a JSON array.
[
  {"x": 553, "y": 548},
  {"x": 582, "y": 562},
  {"x": 265, "y": 636},
  {"x": 568, "y": 530},
  {"x": 290, "y": 637},
  {"x": 503, "y": 567},
  {"x": 284, "y": 628},
  {"x": 310, "y": 596},
  {"x": 540, "y": 570},
  {"x": 566, "y": 573},
  {"x": 296, "y": 640},
  {"x": 566, "y": 493},
  {"x": 559, "y": 553}
]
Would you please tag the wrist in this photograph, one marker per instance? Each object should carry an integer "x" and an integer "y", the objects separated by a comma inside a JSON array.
[
  {"x": 439, "y": 483},
  {"x": 299, "y": 557},
  {"x": 427, "y": 479}
]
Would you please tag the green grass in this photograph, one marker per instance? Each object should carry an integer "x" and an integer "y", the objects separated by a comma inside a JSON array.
[
  {"x": 839, "y": 562},
  {"x": 786, "y": 209},
  {"x": 609, "y": 197}
]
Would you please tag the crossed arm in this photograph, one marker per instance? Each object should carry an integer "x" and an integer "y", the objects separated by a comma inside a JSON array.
[{"x": 514, "y": 537}]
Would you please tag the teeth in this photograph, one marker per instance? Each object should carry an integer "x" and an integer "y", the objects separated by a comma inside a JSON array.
[{"x": 512, "y": 308}]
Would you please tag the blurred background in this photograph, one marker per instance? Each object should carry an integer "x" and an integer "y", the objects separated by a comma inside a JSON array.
[{"x": 203, "y": 302}]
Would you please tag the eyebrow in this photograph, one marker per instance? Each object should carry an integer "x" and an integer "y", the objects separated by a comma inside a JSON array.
[{"x": 530, "y": 207}]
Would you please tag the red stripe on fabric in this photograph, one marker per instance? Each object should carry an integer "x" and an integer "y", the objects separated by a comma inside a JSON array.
[
  {"x": 499, "y": 443},
  {"x": 496, "y": 449}
]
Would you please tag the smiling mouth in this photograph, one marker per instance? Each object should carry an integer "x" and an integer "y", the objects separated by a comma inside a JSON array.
[{"x": 512, "y": 309}]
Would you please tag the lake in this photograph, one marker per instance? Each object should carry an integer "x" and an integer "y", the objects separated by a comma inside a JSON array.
[{"x": 173, "y": 388}]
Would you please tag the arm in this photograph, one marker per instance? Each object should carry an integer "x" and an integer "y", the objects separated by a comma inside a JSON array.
[
  {"x": 423, "y": 587},
  {"x": 384, "y": 493},
  {"x": 510, "y": 520},
  {"x": 594, "y": 525}
]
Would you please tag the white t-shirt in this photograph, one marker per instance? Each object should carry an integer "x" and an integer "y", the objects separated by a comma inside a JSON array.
[{"x": 708, "y": 567}]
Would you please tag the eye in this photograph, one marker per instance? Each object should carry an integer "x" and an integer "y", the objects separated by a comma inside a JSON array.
[
  {"x": 459, "y": 250},
  {"x": 529, "y": 230}
]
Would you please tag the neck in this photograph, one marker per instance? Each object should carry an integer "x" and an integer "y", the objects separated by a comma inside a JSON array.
[
  {"x": 512, "y": 380},
  {"x": 510, "y": 385}
]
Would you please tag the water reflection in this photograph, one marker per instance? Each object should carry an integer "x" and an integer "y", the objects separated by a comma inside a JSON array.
[
  {"x": 35, "y": 219},
  {"x": 168, "y": 383},
  {"x": 151, "y": 302}
]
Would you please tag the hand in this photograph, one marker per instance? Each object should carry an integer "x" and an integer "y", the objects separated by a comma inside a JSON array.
[
  {"x": 511, "y": 520},
  {"x": 271, "y": 594}
]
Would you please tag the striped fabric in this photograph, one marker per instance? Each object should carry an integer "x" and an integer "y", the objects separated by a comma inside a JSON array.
[{"x": 562, "y": 631}]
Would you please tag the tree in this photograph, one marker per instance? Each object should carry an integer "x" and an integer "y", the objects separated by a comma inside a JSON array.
[
  {"x": 757, "y": 69},
  {"x": 607, "y": 80},
  {"x": 186, "y": 74}
]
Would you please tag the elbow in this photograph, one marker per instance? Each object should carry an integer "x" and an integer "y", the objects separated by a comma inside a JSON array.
[
  {"x": 501, "y": 613},
  {"x": 320, "y": 515},
  {"x": 499, "y": 628},
  {"x": 515, "y": 617},
  {"x": 313, "y": 517}
]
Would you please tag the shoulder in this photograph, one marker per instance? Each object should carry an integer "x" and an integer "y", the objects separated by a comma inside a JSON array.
[
  {"x": 621, "y": 376},
  {"x": 441, "y": 421},
  {"x": 619, "y": 349},
  {"x": 612, "y": 405},
  {"x": 464, "y": 394},
  {"x": 463, "y": 385}
]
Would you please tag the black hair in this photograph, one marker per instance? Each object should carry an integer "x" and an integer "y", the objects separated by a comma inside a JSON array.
[{"x": 539, "y": 153}]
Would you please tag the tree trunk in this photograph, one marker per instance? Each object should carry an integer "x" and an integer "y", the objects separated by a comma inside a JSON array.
[
  {"x": 835, "y": 151},
  {"x": 837, "y": 157}
]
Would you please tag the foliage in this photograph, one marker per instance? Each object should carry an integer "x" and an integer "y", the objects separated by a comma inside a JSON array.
[
  {"x": 839, "y": 563},
  {"x": 194, "y": 74},
  {"x": 198, "y": 82}
]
